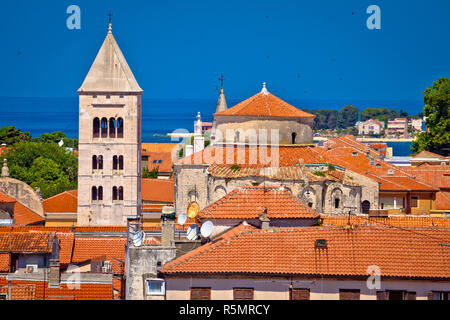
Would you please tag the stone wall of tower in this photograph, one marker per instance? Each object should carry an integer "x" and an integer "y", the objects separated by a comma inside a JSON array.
[{"x": 108, "y": 211}]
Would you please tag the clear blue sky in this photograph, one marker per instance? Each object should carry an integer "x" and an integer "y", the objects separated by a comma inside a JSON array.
[{"x": 177, "y": 49}]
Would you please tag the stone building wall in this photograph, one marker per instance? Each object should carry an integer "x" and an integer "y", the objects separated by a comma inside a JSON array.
[
  {"x": 23, "y": 193},
  {"x": 248, "y": 127}
]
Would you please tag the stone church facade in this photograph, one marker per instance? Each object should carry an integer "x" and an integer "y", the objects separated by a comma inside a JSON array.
[{"x": 109, "y": 140}]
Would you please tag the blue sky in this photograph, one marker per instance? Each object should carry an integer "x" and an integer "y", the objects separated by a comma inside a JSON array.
[{"x": 177, "y": 49}]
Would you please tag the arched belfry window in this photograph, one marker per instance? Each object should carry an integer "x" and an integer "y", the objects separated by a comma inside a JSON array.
[
  {"x": 120, "y": 193},
  {"x": 115, "y": 162},
  {"x": 120, "y": 162},
  {"x": 96, "y": 128},
  {"x": 100, "y": 193},
  {"x": 104, "y": 128},
  {"x": 94, "y": 162},
  {"x": 119, "y": 128},
  {"x": 112, "y": 128},
  {"x": 94, "y": 193},
  {"x": 100, "y": 162},
  {"x": 114, "y": 193}
]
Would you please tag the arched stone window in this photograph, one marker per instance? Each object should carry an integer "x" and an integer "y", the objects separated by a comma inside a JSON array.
[
  {"x": 96, "y": 127},
  {"x": 121, "y": 193},
  {"x": 237, "y": 134},
  {"x": 115, "y": 162},
  {"x": 94, "y": 193},
  {"x": 309, "y": 197},
  {"x": 112, "y": 128},
  {"x": 119, "y": 128},
  {"x": 94, "y": 162},
  {"x": 120, "y": 162},
  {"x": 100, "y": 193},
  {"x": 100, "y": 162},
  {"x": 192, "y": 195},
  {"x": 336, "y": 200},
  {"x": 114, "y": 193},
  {"x": 104, "y": 128},
  {"x": 365, "y": 207},
  {"x": 293, "y": 136},
  {"x": 219, "y": 192}
]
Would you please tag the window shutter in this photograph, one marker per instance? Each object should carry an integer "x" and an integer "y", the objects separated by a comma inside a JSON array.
[
  {"x": 382, "y": 295},
  {"x": 243, "y": 293},
  {"x": 410, "y": 296},
  {"x": 200, "y": 293},
  {"x": 299, "y": 294}
]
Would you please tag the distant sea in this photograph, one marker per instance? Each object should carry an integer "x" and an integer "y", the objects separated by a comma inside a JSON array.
[{"x": 159, "y": 116}]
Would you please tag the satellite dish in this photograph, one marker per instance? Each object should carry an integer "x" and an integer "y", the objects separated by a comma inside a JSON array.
[
  {"x": 192, "y": 232},
  {"x": 138, "y": 238},
  {"x": 192, "y": 209},
  {"x": 182, "y": 219},
  {"x": 207, "y": 229}
]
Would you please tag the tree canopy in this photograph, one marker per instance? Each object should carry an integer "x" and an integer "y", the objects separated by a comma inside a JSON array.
[
  {"x": 46, "y": 165},
  {"x": 10, "y": 135},
  {"x": 436, "y": 110},
  {"x": 348, "y": 116}
]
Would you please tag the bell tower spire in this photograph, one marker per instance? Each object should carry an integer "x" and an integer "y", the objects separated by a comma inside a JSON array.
[{"x": 221, "y": 102}]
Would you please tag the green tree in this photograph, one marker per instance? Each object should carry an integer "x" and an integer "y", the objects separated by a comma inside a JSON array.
[
  {"x": 10, "y": 135},
  {"x": 348, "y": 116},
  {"x": 45, "y": 165},
  {"x": 436, "y": 110},
  {"x": 153, "y": 174},
  {"x": 57, "y": 137}
]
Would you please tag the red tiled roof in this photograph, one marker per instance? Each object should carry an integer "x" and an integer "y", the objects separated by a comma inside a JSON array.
[
  {"x": 4, "y": 198},
  {"x": 25, "y": 216},
  {"x": 265, "y": 105},
  {"x": 20, "y": 291},
  {"x": 249, "y": 203},
  {"x": 4, "y": 262},
  {"x": 428, "y": 154},
  {"x": 256, "y": 157},
  {"x": 391, "y": 221},
  {"x": 101, "y": 248},
  {"x": 157, "y": 190},
  {"x": 157, "y": 147},
  {"x": 398, "y": 252},
  {"x": 62, "y": 202},
  {"x": 26, "y": 242},
  {"x": 164, "y": 157}
]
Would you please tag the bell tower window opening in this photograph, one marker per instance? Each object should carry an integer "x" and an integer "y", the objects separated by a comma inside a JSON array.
[
  {"x": 104, "y": 128},
  {"x": 293, "y": 135},
  {"x": 120, "y": 162},
  {"x": 100, "y": 193},
  {"x": 120, "y": 193},
  {"x": 114, "y": 162},
  {"x": 100, "y": 162},
  {"x": 94, "y": 193},
  {"x": 112, "y": 128},
  {"x": 94, "y": 162},
  {"x": 114, "y": 193},
  {"x": 337, "y": 202},
  {"x": 119, "y": 128},
  {"x": 96, "y": 128}
]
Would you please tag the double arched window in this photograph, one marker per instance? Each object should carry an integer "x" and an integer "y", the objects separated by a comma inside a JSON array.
[
  {"x": 97, "y": 193},
  {"x": 97, "y": 162},
  {"x": 117, "y": 162},
  {"x": 105, "y": 128},
  {"x": 117, "y": 193}
]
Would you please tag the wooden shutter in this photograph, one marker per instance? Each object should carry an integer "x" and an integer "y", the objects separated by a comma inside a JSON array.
[
  {"x": 299, "y": 294},
  {"x": 243, "y": 293},
  {"x": 382, "y": 295},
  {"x": 200, "y": 293},
  {"x": 349, "y": 294},
  {"x": 414, "y": 202},
  {"x": 410, "y": 296}
]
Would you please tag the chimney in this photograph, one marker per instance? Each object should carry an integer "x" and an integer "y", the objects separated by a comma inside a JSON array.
[
  {"x": 167, "y": 226},
  {"x": 54, "y": 272},
  {"x": 265, "y": 222},
  {"x": 189, "y": 150}
]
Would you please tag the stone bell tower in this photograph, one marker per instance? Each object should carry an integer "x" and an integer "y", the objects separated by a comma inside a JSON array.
[{"x": 109, "y": 161}]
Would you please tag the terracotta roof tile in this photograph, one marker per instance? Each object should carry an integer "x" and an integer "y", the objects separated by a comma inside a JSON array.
[
  {"x": 4, "y": 262},
  {"x": 4, "y": 198},
  {"x": 157, "y": 147},
  {"x": 157, "y": 190},
  {"x": 26, "y": 242},
  {"x": 26, "y": 216},
  {"x": 391, "y": 221},
  {"x": 62, "y": 202},
  {"x": 161, "y": 160},
  {"x": 20, "y": 291},
  {"x": 265, "y": 105},
  {"x": 249, "y": 203},
  {"x": 399, "y": 252}
]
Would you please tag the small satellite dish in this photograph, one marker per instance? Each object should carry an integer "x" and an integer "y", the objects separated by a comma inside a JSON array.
[
  {"x": 61, "y": 143},
  {"x": 182, "y": 219},
  {"x": 192, "y": 232},
  {"x": 138, "y": 238},
  {"x": 206, "y": 229},
  {"x": 192, "y": 209}
]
